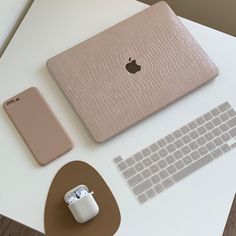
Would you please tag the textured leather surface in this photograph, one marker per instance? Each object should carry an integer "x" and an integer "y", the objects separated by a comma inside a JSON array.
[{"x": 109, "y": 99}]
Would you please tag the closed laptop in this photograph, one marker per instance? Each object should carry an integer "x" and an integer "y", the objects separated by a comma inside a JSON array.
[{"x": 131, "y": 70}]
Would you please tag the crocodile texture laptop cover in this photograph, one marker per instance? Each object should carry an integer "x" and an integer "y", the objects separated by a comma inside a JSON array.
[{"x": 131, "y": 70}]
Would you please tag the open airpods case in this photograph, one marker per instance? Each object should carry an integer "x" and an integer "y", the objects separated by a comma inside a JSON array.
[{"x": 81, "y": 203}]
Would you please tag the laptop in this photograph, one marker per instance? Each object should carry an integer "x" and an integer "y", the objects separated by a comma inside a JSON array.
[{"x": 131, "y": 70}]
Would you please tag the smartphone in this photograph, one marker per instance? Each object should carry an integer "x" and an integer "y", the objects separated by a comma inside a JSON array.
[{"x": 38, "y": 126}]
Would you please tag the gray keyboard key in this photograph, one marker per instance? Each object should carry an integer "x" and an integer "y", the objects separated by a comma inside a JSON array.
[
  {"x": 161, "y": 143},
  {"x": 232, "y": 132},
  {"x": 186, "y": 139},
  {"x": 158, "y": 188},
  {"x": 232, "y": 123},
  {"x": 195, "y": 155},
  {"x": 146, "y": 173},
  {"x": 135, "y": 180},
  {"x": 216, "y": 132},
  {"x": 142, "y": 187},
  {"x": 184, "y": 129},
  {"x": 201, "y": 130},
  {"x": 185, "y": 150},
  {"x": 192, "y": 125},
  {"x": 118, "y": 159},
  {"x": 163, "y": 174},
  {"x": 194, "y": 134},
  {"x": 217, "y": 153},
  {"x": 155, "y": 157},
  {"x": 155, "y": 179},
  {"x": 179, "y": 143},
  {"x": 201, "y": 141},
  {"x": 178, "y": 154},
  {"x": 207, "y": 116},
  {"x": 209, "y": 126},
  {"x": 193, "y": 145},
  {"x": 224, "y": 117},
  {"x": 223, "y": 107},
  {"x": 209, "y": 136},
  {"x": 130, "y": 161},
  {"x": 163, "y": 152},
  {"x": 139, "y": 166},
  {"x": 142, "y": 198},
  {"x": 223, "y": 128},
  {"x": 122, "y": 166},
  {"x": 225, "y": 137},
  {"x": 215, "y": 112},
  {"x": 169, "y": 138},
  {"x": 177, "y": 134},
  {"x": 170, "y": 159},
  {"x": 146, "y": 152},
  {"x": 200, "y": 121},
  {"x": 154, "y": 168},
  {"x": 194, "y": 166},
  {"x": 153, "y": 147},
  {"x": 218, "y": 141},
  {"x": 210, "y": 146},
  {"x": 179, "y": 164},
  {"x": 171, "y": 169},
  {"x": 216, "y": 121},
  {"x": 171, "y": 148},
  {"x": 129, "y": 172},
  {"x": 162, "y": 164},
  {"x": 187, "y": 160},
  {"x": 231, "y": 112},
  {"x": 147, "y": 162},
  {"x": 138, "y": 157},
  {"x": 150, "y": 193},
  {"x": 225, "y": 148},
  {"x": 203, "y": 150},
  {"x": 167, "y": 182}
]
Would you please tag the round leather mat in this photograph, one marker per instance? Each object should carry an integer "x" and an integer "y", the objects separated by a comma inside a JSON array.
[{"x": 58, "y": 219}]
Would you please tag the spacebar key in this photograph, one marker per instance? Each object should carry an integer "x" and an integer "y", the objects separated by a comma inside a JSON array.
[{"x": 191, "y": 168}]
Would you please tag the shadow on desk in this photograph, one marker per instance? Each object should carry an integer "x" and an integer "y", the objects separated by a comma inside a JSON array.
[{"x": 9, "y": 227}]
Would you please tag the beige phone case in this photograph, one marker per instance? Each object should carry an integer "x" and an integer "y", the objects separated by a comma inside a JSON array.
[
  {"x": 38, "y": 126},
  {"x": 98, "y": 76}
]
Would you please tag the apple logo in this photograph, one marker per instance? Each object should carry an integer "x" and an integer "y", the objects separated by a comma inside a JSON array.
[{"x": 132, "y": 67}]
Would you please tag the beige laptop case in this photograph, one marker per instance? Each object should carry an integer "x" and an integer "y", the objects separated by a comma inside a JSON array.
[{"x": 107, "y": 97}]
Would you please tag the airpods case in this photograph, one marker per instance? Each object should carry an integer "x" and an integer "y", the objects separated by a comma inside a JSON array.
[{"x": 84, "y": 207}]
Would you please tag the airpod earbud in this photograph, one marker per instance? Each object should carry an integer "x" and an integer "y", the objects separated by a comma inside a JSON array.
[
  {"x": 72, "y": 199},
  {"x": 68, "y": 196},
  {"x": 81, "y": 192},
  {"x": 81, "y": 203}
]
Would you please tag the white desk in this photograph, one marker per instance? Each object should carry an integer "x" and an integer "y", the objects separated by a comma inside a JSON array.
[
  {"x": 11, "y": 14},
  {"x": 198, "y": 205}
]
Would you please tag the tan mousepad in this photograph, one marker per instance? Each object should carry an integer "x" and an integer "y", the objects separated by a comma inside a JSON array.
[
  {"x": 217, "y": 14},
  {"x": 59, "y": 221}
]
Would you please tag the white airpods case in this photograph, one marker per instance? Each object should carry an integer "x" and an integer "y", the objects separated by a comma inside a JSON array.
[
  {"x": 84, "y": 209},
  {"x": 81, "y": 203}
]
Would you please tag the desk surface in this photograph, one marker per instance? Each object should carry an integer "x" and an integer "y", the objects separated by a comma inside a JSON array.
[
  {"x": 11, "y": 14},
  {"x": 198, "y": 205}
]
